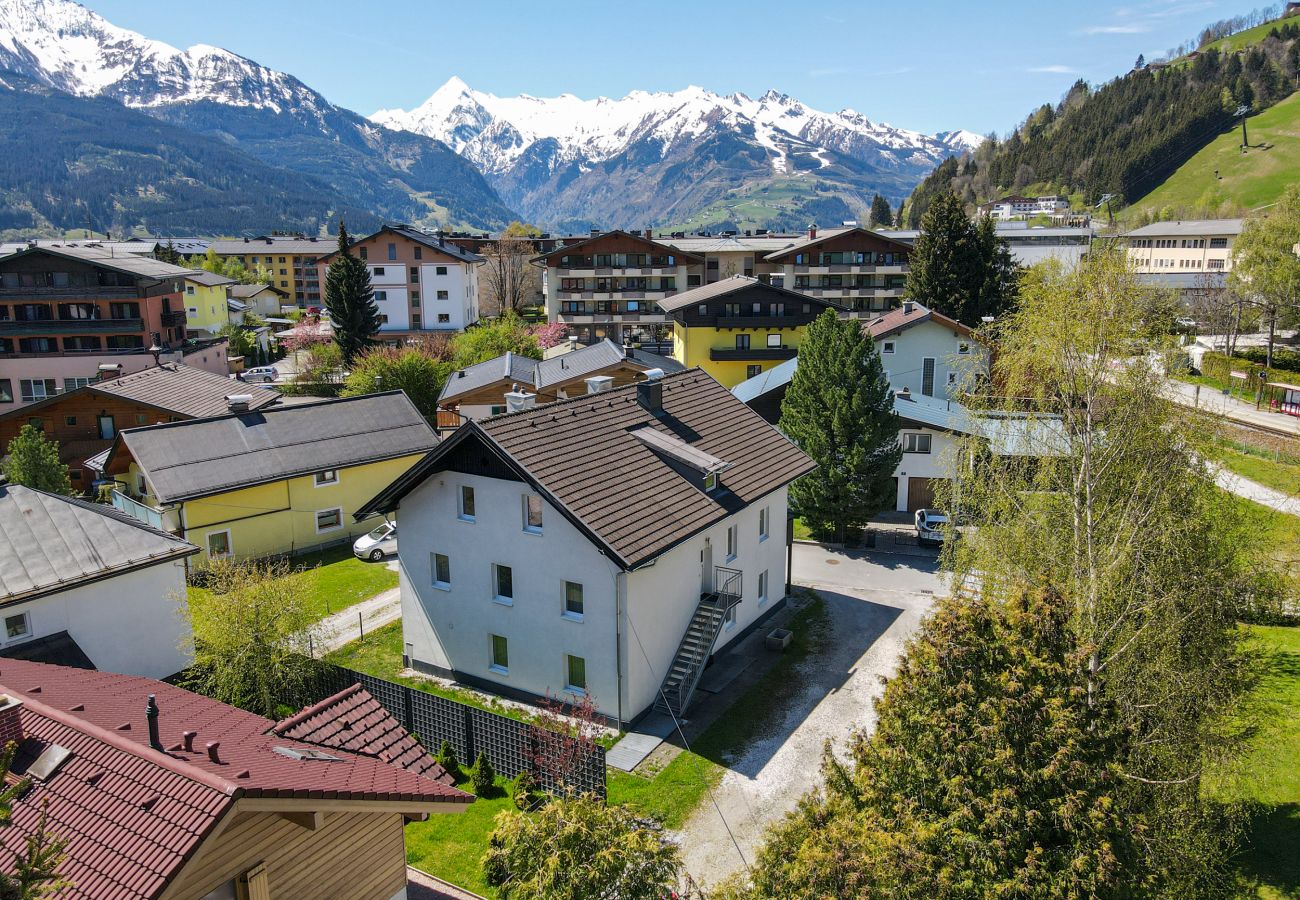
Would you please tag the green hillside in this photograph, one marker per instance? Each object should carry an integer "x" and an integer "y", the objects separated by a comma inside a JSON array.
[
  {"x": 1246, "y": 180},
  {"x": 1245, "y": 38}
]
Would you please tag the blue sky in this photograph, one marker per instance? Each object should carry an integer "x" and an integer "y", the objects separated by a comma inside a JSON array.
[{"x": 928, "y": 66}]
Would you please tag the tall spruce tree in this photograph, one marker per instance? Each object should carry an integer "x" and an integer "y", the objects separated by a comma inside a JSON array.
[
  {"x": 960, "y": 268},
  {"x": 880, "y": 212},
  {"x": 350, "y": 300},
  {"x": 840, "y": 410},
  {"x": 34, "y": 462}
]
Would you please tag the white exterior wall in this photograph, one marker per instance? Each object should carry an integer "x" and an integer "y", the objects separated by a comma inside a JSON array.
[
  {"x": 935, "y": 464},
  {"x": 132, "y": 623},
  {"x": 661, "y": 598},
  {"x": 913, "y": 345},
  {"x": 461, "y": 305},
  {"x": 451, "y": 629},
  {"x": 389, "y": 282}
]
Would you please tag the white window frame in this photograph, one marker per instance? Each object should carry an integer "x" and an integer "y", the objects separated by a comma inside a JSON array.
[
  {"x": 774, "y": 340},
  {"x": 963, "y": 348},
  {"x": 733, "y": 542},
  {"x": 433, "y": 571},
  {"x": 230, "y": 544},
  {"x": 567, "y": 613},
  {"x": 319, "y": 479},
  {"x": 764, "y": 523},
  {"x": 914, "y": 439},
  {"x": 25, "y": 634},
  {"x": 332, "y": 509},
  {"x": 530, "y": 528},
  {"x": 762, "y": 587},
  {"x": 569, "y": 687},
  {"x": 886, "y": 346},
  {"x": 496, "y": 584},
  {"x": 493, "y": 665},
  {"x": 710, "y": 482},
  {"x": 460, "y": 503}
]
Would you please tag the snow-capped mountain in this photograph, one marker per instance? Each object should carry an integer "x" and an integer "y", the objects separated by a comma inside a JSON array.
[
  {"x": 659, "y": 158},
  {"x": 268, "y": 114}
]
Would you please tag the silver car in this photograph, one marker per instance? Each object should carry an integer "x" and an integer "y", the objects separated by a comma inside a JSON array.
[
  {"x": 930, "y": 524},
  {"x": 377, "y": 544},
  {"x": 264, "y": 374}
]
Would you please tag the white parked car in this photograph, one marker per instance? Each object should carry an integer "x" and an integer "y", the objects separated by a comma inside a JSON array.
[
  {"x": 930, "y": 524},
  {"x": 377, "y": 544},
  {"x": 264, "y": 374}
]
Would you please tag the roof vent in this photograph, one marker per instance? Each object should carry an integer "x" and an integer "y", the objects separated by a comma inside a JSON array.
[
  {"x": 653, "y": 374},
  {"x": 109, "y": 370},
  {"x": 518, "y": 401},
  {"x": 599, "y": 384},
  {"x": 239, "y": 402},
  {"x": 151, "y": 714},
  {"x": 907, "y": 307},
  {"x": 904, "y": 394}
]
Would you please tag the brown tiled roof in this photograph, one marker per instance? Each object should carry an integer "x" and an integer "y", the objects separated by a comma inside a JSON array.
[
  {"x": 826, "y": 236},
  {"x": 133, "y": 815},
  {"x": 661, "y": 245},
  {"x": 735, "y": 284},
  {"x": 354, "y": 720},
  {"x": 581, "y": 454},
  {"x": 901, "y": 319}
]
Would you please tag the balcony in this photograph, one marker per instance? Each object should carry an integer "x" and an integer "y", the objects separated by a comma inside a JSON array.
[
  {"x": 172, "y": 319},
  {"x": 138, "y": 510},
  {"x": 786, "y": 321},
  {"x": 751, "y": 354},
  {"x": 74, "y": 326}
]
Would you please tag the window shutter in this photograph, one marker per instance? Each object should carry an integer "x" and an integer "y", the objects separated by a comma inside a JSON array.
[{"x": 254, "y": 884}]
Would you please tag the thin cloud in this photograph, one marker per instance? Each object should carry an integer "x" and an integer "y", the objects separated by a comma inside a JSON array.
[
  {"x": 1055, "y": 69},
  {"x": 1116, "y": 29}
]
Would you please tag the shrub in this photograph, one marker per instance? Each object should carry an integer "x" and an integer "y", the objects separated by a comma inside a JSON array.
[
  {"x": 524, "y": 791},
  {"x": 483, "y": 779},
  {"x": 446, "y": 758}
]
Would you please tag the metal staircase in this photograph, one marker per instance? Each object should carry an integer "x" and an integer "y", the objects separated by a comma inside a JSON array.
[{"x": 697, "y": 644}]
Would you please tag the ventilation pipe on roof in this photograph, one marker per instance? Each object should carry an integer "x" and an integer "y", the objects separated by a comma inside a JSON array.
[
  {"x": 812, "y": 232},
  {"x": 151, "y": 715},
  {"x": 573, "y": 342},
  {"x": 907, "y": 307},
  {"x": 599, "y": 384},
  {"x": 214, "y": 748}
]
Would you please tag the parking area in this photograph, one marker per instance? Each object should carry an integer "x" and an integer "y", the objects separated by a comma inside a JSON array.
[{"x": 875, "y": 599}]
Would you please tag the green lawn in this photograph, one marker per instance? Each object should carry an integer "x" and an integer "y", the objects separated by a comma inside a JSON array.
[
  {"x": 451, "y": 846},
  {"x": 1244, "y": 38},
  {"x": 333, "y": 580},
  {"x": 1268, "y": 777},
  {"x": 801, "y": 531},
  {"x": 1246, "y": 181},
  {"x": 1280, "y": 472}
]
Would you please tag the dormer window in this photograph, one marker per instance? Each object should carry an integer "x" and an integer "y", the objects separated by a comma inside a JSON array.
[{"x": 710, "y": 482}]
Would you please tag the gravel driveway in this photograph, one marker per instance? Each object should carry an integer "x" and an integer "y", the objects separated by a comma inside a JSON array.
[{"x": 874, "y": 601}]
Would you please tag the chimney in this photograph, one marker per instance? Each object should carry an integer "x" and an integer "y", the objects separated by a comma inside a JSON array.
[
  {"x": 109, "y": 371},
  {"x": 907, "y": 307},
  {"x": 599, "y": 384},
  {"x": 151, "y": 714},
  {"x": 627, "y": 349},
  {"x": 649, "y": 234},
  {"x": 11, "y": 728},
  {"x": 573, "y": 342},
  {"x": 650, "y": 393},
  {"x": 520, "y": 400},
  {"x": 904, "y": 394},
  {"x": 237, "y": 403},
  {"x": 812, "y": 232}
]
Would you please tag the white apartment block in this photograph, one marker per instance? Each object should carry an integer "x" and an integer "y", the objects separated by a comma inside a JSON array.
[{"x": 1186, "y": 247}]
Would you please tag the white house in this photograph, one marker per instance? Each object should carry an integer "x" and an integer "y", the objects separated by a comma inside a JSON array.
[
  {"x": 85, "y": 585},
  {"x": 924, "y": 352},
  {"x": 606, "y": 544}
]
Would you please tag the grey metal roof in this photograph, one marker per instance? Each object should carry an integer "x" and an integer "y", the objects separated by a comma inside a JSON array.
[
  {"x": 510, "y": 367},
  {"x": 244, "y": 291},
  {"x": 823, "y": 236},
  {"x": 1189, "y": 228},
  {"x": 1184, "y": 280},
  {"x": 270, "y": 245},
  {"x": 212, "y": 279},
  {"x": 201, "y": 457},
  {"x": 144, "y": 266},
  {"x": 50, "y": 543},
  {"x": 180, "y": 389},
  {"x": 751, "y": 389}
]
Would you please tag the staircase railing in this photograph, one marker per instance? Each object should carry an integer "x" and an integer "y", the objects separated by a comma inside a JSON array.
[{"x": 709, "y": 616}]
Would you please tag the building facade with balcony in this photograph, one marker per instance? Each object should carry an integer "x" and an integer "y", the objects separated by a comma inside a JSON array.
[
  {"x": 67, "y": 314},
  {"x": 605, "y": 546},
  {"x": 861, "y": 271},
  {"x": 422, "y": 282},
  {"x": 739, "y": 327},
  {"x": 610, "y": 285},
  {"x": 1192, "y": 247},
  {"x": 291, "y": 261}
]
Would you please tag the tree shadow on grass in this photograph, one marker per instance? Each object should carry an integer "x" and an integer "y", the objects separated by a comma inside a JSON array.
[{"x": 1273, "y": 857}]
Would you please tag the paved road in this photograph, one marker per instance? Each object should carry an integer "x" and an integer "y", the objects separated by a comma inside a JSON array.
[
  {"x": 1230, "y": 407},
  {"x": 1251, "y": 490},
  {"x": 344, "y": 626},
  {"x": 875, "y": 601}
]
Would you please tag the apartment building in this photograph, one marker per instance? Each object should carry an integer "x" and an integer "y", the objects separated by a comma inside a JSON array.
[
  {"x": 609, "y": 285},
  {"x": 291, "y": 260},
  {"x": 1018, "y": 207},
  {"x": 858, "y": 270},
  {"x": 1187, "y": 247},
  {"x": 206, "y": 294},
  {"x": 422, "y": 281},
  {"x": 69, "y": 314},
  {"x": 737, "y": 328},
  {"x": 605, "y": 546}
]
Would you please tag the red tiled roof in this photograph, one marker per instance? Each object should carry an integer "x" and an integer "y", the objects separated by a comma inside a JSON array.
[
  {"x": 354, "y": 720},
  {"x": 132, "y": 815},
  {"x": 901, "y": 319}
]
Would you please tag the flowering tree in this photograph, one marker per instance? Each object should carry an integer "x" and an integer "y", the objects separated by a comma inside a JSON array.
[{"x": 550, "y": 334}]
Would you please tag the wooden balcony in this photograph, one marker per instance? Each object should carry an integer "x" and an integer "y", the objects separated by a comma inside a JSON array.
[{"x": 751, "y": 354}]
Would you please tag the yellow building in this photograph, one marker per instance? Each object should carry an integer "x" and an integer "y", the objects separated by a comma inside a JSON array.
[
  {"x": 739, "y": 327},
  {"x": 278, "y": 480},
  {"x": 205, "y": 301},
  {"x": 291, "y": 262}
]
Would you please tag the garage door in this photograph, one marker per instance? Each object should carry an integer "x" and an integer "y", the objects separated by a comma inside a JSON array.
[{"x": 920, "y": 492}]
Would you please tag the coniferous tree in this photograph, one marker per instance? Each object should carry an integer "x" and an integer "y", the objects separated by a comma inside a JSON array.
[
  {"x": 1141, "y": 62},
  {"x": 1000, "y": 274},
  {"x": 350, "y": 300},
  {"x": 961, "y": 268},
  {"x": 34, "y": 462},
  {"x": 839, "y": 409},
  {"x": 880, "y": 212}
]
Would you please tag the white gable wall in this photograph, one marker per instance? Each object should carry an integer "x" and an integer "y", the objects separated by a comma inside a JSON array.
[{"x": 913, "y": 345}]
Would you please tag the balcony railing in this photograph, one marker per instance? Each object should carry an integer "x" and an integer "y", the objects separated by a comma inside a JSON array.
[
  {"x": 137, "y": 510},
  {"x": 725, "y": 354},
  {"x": 171, "y": 319},
  {"x": 71, "y": 326},
  {"x": 789, "y": 320}
]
